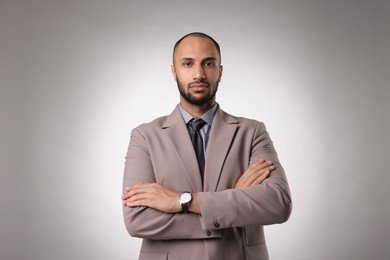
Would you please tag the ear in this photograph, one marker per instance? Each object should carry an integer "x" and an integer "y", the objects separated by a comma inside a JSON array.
[
  {"x": 173, "y": 72},
  {"x": 220, "y": 73}
]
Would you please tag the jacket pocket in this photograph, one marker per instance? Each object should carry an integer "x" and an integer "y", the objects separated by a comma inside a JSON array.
[
  {"x": 254, "y": 243},
  {"x": 257, "y": 252},
  {"x": 153, "y": 256},
  {"x": 253, "y": 236}
]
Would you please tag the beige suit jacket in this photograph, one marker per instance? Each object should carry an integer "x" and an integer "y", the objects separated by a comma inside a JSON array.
[{"x": 231, "y": 224}]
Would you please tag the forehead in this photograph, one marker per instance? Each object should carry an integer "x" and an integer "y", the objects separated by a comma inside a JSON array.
[{"x": 197, "y": 48}]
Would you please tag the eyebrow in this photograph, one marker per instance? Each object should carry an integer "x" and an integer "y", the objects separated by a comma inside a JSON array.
[{"x": 205, "y": 59}]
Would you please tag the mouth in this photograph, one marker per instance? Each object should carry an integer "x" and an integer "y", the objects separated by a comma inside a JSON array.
[{"x": 198, "y": 86}]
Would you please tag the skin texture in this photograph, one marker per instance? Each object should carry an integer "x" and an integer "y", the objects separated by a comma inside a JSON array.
[{"x": 197, "y": 70}]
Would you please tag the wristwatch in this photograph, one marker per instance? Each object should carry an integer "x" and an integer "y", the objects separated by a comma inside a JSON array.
[{"x": 185, "y": 199}]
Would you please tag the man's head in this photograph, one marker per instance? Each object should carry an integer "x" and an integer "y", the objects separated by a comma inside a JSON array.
[
  {"x": 197, "y": 69},
  {"x": 197, "y": 34}
]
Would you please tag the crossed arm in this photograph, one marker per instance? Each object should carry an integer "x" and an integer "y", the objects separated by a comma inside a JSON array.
[
  {"x": 156, "y": 196},
  {"x": 149, "y": 195}
]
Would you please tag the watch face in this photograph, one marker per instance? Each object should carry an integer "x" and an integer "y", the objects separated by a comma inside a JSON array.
[{"x": 185, "y": 197}]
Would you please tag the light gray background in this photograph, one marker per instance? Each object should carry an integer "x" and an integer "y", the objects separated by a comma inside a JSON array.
[{"x": 78, "y": 75}]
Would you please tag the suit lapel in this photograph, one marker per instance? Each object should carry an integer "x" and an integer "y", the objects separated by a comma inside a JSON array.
[
  {"x": 221, "y": 136},
  {"x": 176, "y": 131}
]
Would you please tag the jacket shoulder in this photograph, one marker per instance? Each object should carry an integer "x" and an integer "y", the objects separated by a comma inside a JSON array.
[
  {"x": 243, "y": 121},
  {"x": 152, "y": 126}
]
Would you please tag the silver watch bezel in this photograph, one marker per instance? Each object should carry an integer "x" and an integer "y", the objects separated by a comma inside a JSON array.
[{"x": 185, "y": 197}]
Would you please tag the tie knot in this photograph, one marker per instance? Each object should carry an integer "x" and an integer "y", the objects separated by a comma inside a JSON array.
[{"x": 196, "y": 125}]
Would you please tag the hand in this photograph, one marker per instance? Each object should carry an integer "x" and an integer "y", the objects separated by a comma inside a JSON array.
[
  {"x": 255, "y": 174},
  {"x": 152, "y": 195}
]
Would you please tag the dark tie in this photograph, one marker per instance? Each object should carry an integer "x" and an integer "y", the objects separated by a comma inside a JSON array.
[{"x": 197, "y": 142}]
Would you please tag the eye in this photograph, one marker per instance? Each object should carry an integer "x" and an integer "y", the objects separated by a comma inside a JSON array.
[
  {"x": 210, "y": 64},
  {"x": 187, "y": 64}
]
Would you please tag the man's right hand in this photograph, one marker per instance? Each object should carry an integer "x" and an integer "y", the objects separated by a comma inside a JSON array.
[{"x": 255, "y": 174}]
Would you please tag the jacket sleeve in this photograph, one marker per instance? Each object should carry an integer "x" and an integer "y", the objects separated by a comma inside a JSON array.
[
  {"x": 149, "y": 223},
  {"x": 264, "y": 204}
]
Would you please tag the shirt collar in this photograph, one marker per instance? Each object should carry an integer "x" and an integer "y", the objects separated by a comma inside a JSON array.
[{"x": 207, "y": 117}]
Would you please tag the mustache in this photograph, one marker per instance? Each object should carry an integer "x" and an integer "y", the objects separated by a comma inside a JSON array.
[{"x": 198, "y": 82}]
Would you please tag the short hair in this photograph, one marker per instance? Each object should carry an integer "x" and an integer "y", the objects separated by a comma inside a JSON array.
[{"x": 197, "y": 34}]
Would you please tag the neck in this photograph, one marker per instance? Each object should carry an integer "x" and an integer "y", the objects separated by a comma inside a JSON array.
[{"x": 196, "y": 110}]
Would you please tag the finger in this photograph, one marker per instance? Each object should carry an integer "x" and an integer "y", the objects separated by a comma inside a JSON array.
[
  {"x": 252, "y": 176},
  {"x": 133, "y": 190},
  {"x": 261, "y": 178},
  {"x": 136, "y": 186},
  {"x": 256, "y": 169},
  {"x": 126, "y": 195},
  {"x": 251, "y": 179},
  {"x": 263, "y": 165},
  {"x": 247, "y": 179},
  {"x": 140, "y": 199},
  {"x": 252, "y": 169},
  {"x": 260, "y": 175},
  {"x": 252, "y": 173},
  {"x": 137, "y": 203}
]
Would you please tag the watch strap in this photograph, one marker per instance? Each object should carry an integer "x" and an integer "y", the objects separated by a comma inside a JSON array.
[{"x": 185, "y": 206}]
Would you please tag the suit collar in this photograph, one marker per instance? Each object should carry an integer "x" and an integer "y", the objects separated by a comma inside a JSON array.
[
  {"x": 221, "y": 136},
  {"x": 176, "y": 130}
]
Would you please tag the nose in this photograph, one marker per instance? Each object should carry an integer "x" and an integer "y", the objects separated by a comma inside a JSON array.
[{"x": 199, "y": 72}]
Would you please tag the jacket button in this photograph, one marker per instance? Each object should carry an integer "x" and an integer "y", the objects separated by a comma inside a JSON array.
[
  {"x": 208, "y": 233},
  {"x": 216, "y": 224}
]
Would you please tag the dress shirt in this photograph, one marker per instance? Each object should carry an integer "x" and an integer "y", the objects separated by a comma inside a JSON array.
[{"x": 205, "y": 130}]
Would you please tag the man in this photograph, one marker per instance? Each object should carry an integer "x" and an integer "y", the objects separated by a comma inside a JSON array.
[{"x": 202, "y": 194}]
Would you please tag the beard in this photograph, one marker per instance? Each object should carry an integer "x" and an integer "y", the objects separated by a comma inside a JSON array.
[{"x": 198, "y": 101}]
